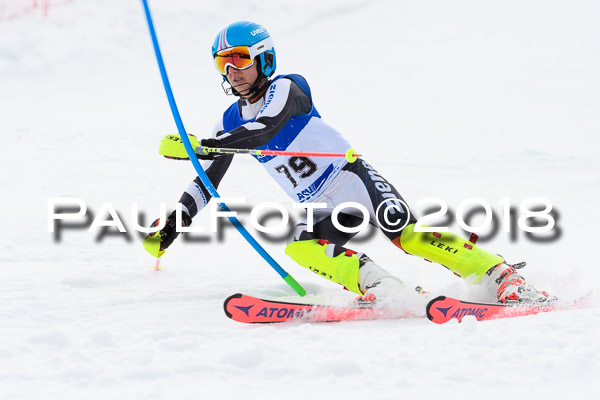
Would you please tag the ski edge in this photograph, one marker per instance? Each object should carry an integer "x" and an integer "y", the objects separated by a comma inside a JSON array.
[
  {"x": 226, "y": 303},
  {"x": 490, "y": 311},
  {"x": 233, "y": 297},
  {"x": 430, "y": 304},
  {"x": 298, "y": 312}
]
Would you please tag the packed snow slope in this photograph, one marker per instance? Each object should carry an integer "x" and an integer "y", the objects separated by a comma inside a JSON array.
[{"x": 452, "y": 100}]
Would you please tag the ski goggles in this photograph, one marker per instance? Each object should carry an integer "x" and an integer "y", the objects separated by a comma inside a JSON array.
[
  {"x": 237, "y": 57},
  {"x": 240, "y": 57}
]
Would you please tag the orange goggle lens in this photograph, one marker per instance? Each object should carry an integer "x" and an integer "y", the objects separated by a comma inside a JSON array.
[{"x": 236, "y": 57}]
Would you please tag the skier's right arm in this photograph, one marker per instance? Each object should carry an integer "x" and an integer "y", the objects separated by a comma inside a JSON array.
[
  {"x": 196, "y": 196},
  {"x": 194, "y": 199}
]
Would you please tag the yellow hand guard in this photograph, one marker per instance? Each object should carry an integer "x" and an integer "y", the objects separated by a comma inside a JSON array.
[
  {"x": 172, "y": 146},
  {"x": 152, "y": 244}
]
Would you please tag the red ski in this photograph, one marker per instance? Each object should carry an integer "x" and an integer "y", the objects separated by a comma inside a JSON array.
[
  {"x": 253, "y": 310},
  {"x": 442, "y": 309},
  {"x": 248, "y": 309}
]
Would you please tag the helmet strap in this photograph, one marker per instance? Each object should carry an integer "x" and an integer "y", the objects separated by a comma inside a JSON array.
[{"x": 259, "y": 89}]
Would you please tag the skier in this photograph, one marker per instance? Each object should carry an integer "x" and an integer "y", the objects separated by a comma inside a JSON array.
[{"x": 278, "y": 113}]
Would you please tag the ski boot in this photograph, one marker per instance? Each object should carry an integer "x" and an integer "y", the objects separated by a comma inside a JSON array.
[
  {"x": 511, "y": 288},
  {"x": 380, "y": 286}
]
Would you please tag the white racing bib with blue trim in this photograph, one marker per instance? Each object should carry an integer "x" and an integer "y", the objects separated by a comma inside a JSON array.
[{"x": 303, "y": 178}]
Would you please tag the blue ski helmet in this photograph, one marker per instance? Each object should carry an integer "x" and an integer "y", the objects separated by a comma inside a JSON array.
[{"x": 251, "y": 35}]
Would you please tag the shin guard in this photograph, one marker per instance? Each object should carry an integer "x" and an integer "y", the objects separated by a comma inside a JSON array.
[
  {"x": 314, "y": 255},
  {"x": 455, "y": 253}
]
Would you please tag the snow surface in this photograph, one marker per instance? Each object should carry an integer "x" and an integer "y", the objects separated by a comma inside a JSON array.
[{"x": 447, "y": 99}]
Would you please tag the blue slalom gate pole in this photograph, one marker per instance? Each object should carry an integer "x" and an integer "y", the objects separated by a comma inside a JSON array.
[{"x": 201, "y": 173}]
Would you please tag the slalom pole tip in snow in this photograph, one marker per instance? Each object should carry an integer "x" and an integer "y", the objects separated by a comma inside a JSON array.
[
  {"x": 157, "y": 265},
  {"x": 294, "y": 285},
  {"x": 351, "y": 156}
]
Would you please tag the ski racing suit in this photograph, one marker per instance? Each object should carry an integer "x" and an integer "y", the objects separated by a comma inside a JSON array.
[{"x": 285, "y": 118}]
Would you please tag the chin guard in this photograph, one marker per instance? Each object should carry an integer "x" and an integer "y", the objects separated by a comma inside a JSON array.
[{"x": 257, "y": 90}]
